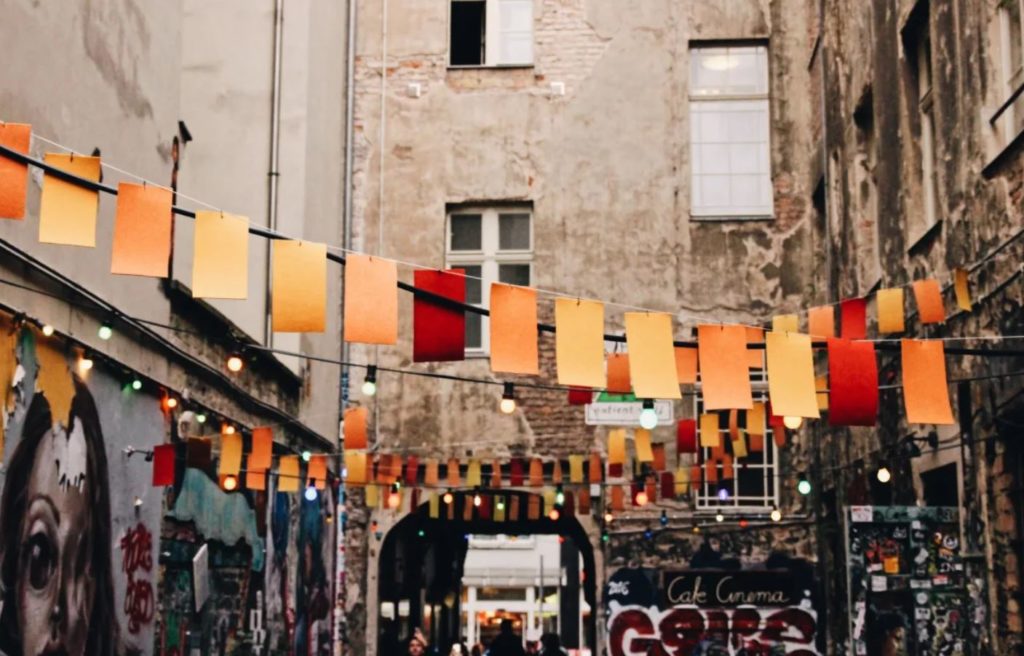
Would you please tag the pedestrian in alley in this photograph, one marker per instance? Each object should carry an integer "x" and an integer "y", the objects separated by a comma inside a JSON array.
[
  {"x": 551, "y": 645},
  {"x": 507, "y": 643}
]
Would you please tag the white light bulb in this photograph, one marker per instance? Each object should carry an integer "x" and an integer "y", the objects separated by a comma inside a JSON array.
[
  {"x": 719, "y": 517},
  {"x": 47, "y": 330},
  {"x": 776, "y": 515},
  {"x": 369, "y": 388},
  {"x": 648, "y": 418},
  {"x": 884, "y": 475},
  {"x": 508, "y": 406},
  {"x": 792, "y": 423}
]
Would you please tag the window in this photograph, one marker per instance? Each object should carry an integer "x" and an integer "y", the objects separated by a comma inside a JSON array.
[
  {"x": 491, "y": 32},
  {"x": 729, "y": 132},
  {"x": 1010, "y": 121},
  {"x": 754, "y": 483},
  {"x": 492, "y": 244},
  {"x": 925, "y": 105}
]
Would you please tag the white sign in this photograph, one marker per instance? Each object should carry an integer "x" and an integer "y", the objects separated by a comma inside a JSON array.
[
  {"x": 201, "y": 576},
  {"x": 626, "y": 413}
]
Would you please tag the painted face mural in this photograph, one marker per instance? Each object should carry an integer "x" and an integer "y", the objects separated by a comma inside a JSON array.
[{"x": 55, "y": 550}]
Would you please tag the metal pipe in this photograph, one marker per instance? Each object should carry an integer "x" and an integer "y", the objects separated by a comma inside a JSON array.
[{"x": 274, "y": 174}]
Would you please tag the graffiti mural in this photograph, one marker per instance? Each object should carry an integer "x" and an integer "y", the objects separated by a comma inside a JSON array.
[
  {"x": 704, "y": 612},
  {"x": 75, "y": 571}
]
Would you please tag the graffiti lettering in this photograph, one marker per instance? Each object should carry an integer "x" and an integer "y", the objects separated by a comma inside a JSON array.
[
  {"x": 137, "y": 554},
  {"x": 690, "y": 631}
]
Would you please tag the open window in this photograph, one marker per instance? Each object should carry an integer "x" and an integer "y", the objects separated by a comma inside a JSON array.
[{"x": 491, "y": 33}]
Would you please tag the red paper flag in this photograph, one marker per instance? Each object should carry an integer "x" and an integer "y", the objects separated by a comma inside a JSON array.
[
  {"x": 853, "y": 314},
  {"x": 614, "y": 470},
  {"x": 439, "y": 331},
  {"x": 515, "y": 477},
  {"x": 583, "y": 502},
  {"x": 569, "y": 504},
  {"x": 618, "y": 374},
  {"x": 668, "y": 485},
  {"x": 580, "y": 395},
  {"x": 163, "y": 465},
  {"x": 853, "y": 383},
  {"x": 412, "y": 467},
  {"x": 686, "y": 436}
]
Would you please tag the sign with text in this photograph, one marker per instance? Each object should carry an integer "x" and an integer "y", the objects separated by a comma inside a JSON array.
[
  {"x": 625, "y": 413},
  {"x": 726, "y": 589}
]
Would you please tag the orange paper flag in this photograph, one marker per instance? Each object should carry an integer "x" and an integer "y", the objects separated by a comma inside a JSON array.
[
  {"x": 821, "y": 387},
  {"x": 299, "y": 287},
  {"x": 255, "y": 477},
  {"x": 642, "y": 442},
  {"x": 288, "y": 474},
  {"x": 513, "y": 330},
  {"x": 142, "y": 231},
  {"x": 617, "y": 446},
  {"x": 454, "y": 477},
  {"x": 496, "y": 474},
  {"x": 660, "y": 461},
  {"x": 961, "y": 286},
  {"x": 618, "y": 374},
  {"x": 355, "y": 428},
  {"x": 556, "y": 472},
  {"x": 695, "y": 477},
  {"x": 67, "y": 212},
  {"x": 220, "y": 260},
  {"x": 709, "y": 435},
  {"x": 596, "y": 469},
  {"x": 756, "y": 420},
  {"x": 316, "y": 471},
  {"x": 430, "y": 472},
  {"x": 928, "y": 295},
  {"x": 536, "y": 472},
  {"x": 791, "y": 375},
  {"x": 651, "y": 355},
  {"x": 821, "y": 322},
  {"x": 262, "y": 448},
  {"x": 686, "y": 365},
  {"x": 230, "y": 455},
  {"x": 14, "y": 176},
  {"x": 786, "y": 323},
  {"x": 617, "y": 501},
  {"x": 579, "y": 342},
  {"x": 925, "y": 389},
  {"x": 371, "y": 300},
  {"x": 755, "y": 356},
  {"x": 890, "y": 310},
  {"x": 724, "y": 374}
]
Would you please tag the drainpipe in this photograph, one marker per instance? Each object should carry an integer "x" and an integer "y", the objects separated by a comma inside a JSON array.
[{"x": 274, "y": 174}]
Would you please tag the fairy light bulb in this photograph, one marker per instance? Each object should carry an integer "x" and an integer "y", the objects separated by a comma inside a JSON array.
[
  {"x": 648, "y": 415},
  {"x": 235, "y": 363},
  {"x": 85, "y": 364},
  {"x": 719, "y": 517},
  {"x": 792, "y": 422},
  {"x": 500, "y": 504},
  {"x": 477, "y": 500},
  {"x": 306, "y": 455},
  {"x": 448, "y": 498},
  {"x": 369, "y": 387},
  {"x": 608, "y": 517},
  {"x": 804, "y": 486},
  {"x": 136, "y": 384},
  {"x": 883, "y": 474},
  {"x": 394, "y": 500},
  {"x": 47, "y": 330},
  {"x": 776, "y": 515},
  {"x": 508, "y": 399},
  {"x": 554, "y": 515},
  {"x": 641, "y": 498},
  {"x": 311, "y": 492},
  {"x": 230, "y": 482},
  {"x": 105, "y": 332},
  {"x": 559, "y": 496}
]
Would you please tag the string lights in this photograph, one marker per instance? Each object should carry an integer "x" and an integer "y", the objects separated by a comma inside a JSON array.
[
  {"x": 106, "y": 331},
  {"x": 235, "y": 363},
  {"x": 648, "y": 415},
  {"x": 369, "y": 387},
  {"x": 508, "y": 399}
]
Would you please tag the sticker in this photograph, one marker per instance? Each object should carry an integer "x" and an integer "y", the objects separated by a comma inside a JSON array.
[
  {"x": 920, "y": 584},
  {"x": 879, "y": 583},
  {"x": 922, "y": 613},
  {"x": 861, "y": 513}
]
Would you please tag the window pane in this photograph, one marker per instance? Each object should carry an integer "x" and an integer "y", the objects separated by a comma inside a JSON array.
[
  {"x": 514, "y": 274},
  {"x": 473, "y": 294},
  {"x": 514, "y": 232},
  {"x": 729, "y": 71},
  {"x": 516, "y": 38},
  {"x": 467, "y": 31},
  {"x": 473, "y": 330},
  {"x": 465, "y": 234},
  {"x": 750, "y": 481}
]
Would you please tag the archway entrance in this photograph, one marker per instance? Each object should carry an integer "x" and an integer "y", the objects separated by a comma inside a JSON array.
[{"x": 458, "y": 575}]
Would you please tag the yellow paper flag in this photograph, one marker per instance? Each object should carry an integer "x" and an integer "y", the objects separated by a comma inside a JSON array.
[
  {"x": 371, "y": 300},
  {"x": 617, "y": 446},
  {"x": 739, "y": 447},
  {"x": 434, "y": 506},
  {"x": 791, "y": 375},
  {"x": 473, "y": 473},
  {"x": 142, "y": 231},
  {"x": 579, "y": 342},
  {"x": 513, "y": 330},
  {"x": 756, "y": 420},
  {"x": 355, "y": 468},
  {"x": 575, "y": 469},
  {"x": 67, "y": 212},
  {"x": 230, "y": 455},
  {"x": 821, "y": 387},
  {"x": 961, "y": 286},
  {"x": 220, "y": 259},
  {"x": 372, "y": 496},
  {"x": 786, "y": 323},
  {"x": 299, "y": 286},
  {"x": 890, "y": 310},
  {"x": 682, "y": 481},
  {"x": 642, "y": 442},
  {"x": 288, "y": 474},
  {"x": 652, "y": 365},
  {"x": 709, "y": 435}
]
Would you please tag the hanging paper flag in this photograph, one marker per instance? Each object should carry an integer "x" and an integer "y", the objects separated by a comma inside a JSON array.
[
  {"x": 371, "y": 300},
  {"x": 533, "y": 507},
  {"x": 549, "y": 500},
  {"x": 142, "y": 231},
  {"x": 928, "y": 295},
  {"x": 583, "y": 501},
  {"x": 198, "y": 453},
  {"x": 681, "y": 480},
  {"x": 786, "y": 323},
  {"x": 513, "y": 508},
  {"x": 596, "y": 469},
  {"x": 575, "y": 469},
  {"x": 163, "y": 454},
  {"x": 467, "y": 508},
  {"x": 890, "y": 310},
  {"x": 651, "y": 355},
  {"x": 821, "y": 322},
  {"x": 431, "y": 478},
  {"x": 925, "y": 388},
  {"x": 439, "y": 331},
  {"x": 734, "y": 425},
  {"x": 658, "y": 451},
  {"x": 724, "y": 374},
  {"x": 696, "y": 472},
  {"x": 13, "y": 175},
  {"x": 484, "y": 511},
  {"x": 853, "y": 382},
  {"x": 220, "y": 255},
  {"x": 230, "y": 455},
  {"x": 536, "y": 472},
  {"x": 728, "y": 470},
  {"x": 515, "y": 476},
  {"x": 499, "y": 509},
  {"x": 299, "y": 285},
  {"x": 791, "y": 375},
  {"x": 616, "y": 446},
  {"x": 412, "y": 469},
  {"x": 853, "y": 318},
  {"x": 668, "y": 485},
  {"x": 739, "y": 447},
  {"x": 262, "y": 447},
  {"x": 642, "y": 442},
  {"x": 709, "y": 435},
  {"x": 569, "y": 503},
  {"x": 651, "y": 488},
  {"x": 755, "y": 356},
  {"x": 288, "y": 474},
  {"x": 454, "y": 477},
  {"x": 756, "y": 420},
  {"x": 580, "y": 395},
  {"x": 556, "y": 472},
  {"x": 776, "y": 421},
  {"x": 961, "y": 286},
  {"x": 316, "y": 471},
  {"x": 354, "y": 433},
  {"x": 514, "y": 330},
  {"x": 821, "y": 387},
  {"x": 496, "y": 474},
  {"x": 618, "y": 374},
  {"x": 255, "y": 477},
  {"x": 579, "y": 342},
  {"x": 617, "y": 501},
  {"x": 372, "y": 496},
  {"x": 67, "y": 212},
  {"x": 473, "y": 478},
  {"x": 686, "y": 437},
  {"x": 434, "y": 506},
  {"x": 755, "y": 443},
  {"x": 686, "y": 365},
  {"x": 711, "y": 471}
]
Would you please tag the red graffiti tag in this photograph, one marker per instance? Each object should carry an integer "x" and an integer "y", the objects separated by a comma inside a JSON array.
[{"x": 137, "y": 554}]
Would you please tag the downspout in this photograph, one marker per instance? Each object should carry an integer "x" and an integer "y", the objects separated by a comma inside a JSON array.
[{"x": 274, "y": 174}]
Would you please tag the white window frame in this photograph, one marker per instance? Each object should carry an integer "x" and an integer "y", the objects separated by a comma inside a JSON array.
[
  {"x": 925, "y": 106},
  {"x": 707, "y": 494},
  {"x": 1008, "y": 121},
  {"x": 702, "y": 103},
  {"x": 493, "y": 33},
  {"x": 489, "y": 258}
]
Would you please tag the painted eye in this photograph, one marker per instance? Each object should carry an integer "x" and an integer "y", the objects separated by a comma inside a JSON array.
[{"x": 40, "y": 561}]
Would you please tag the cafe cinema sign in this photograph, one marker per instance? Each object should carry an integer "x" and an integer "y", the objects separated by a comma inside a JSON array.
[{"x": 724, "y": 589}]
